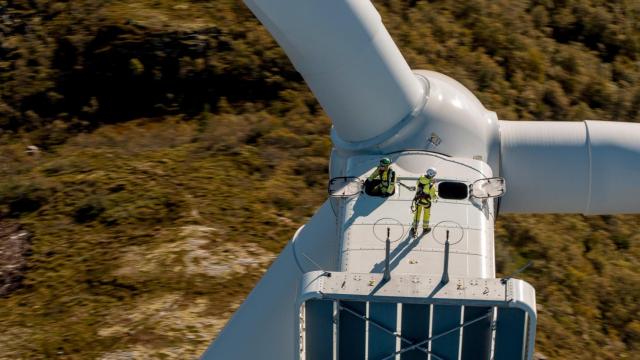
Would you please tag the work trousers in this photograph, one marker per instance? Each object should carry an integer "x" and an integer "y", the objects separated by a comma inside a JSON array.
[{"x": 426, "y": 211}]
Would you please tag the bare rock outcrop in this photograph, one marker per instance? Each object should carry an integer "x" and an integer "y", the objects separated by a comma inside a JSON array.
[{"x": 14, "y": 249}]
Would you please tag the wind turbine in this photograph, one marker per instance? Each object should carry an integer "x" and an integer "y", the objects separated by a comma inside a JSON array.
[{"x": 352, "y": 284}]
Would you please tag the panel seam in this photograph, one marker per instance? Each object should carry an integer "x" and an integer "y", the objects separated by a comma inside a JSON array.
[{"x": 589, "y": 169}]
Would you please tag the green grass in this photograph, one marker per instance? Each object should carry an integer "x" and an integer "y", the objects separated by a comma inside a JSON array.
[{"x": 137, "y": 213}]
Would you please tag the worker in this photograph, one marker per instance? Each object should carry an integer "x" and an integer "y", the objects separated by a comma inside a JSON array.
[
  {"x": 425, "y": 196},
  {"x": 383, "y": 180}
]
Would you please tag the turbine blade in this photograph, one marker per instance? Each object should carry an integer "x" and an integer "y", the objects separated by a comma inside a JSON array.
[
  {"x": 348, "y": 59},
  {"x": 263, "y": 326},
  {"x": 590, "y": 167}
]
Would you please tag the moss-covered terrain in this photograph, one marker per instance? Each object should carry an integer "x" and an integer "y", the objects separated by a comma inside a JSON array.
[
  {"x": 156, "y": 155},
  {"x": 148, "y": 234}
]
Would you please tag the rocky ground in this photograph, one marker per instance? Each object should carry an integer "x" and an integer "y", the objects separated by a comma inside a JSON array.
[{"x": 14, "y": 250}]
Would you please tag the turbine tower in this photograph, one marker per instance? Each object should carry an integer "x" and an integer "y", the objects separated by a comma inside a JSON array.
[{"x": 352, "y": 283}]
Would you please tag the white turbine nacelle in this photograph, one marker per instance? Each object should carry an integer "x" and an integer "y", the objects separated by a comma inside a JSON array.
[
  {"x": 339, "y": 290},
  {"x": 589, "y": 167},
  {"x": 449, "y": 120}
]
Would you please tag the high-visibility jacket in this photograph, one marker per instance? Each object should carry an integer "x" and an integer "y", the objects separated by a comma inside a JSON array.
[
  {"x": 387, "y": 179},
  {"x": 425, "y": 191}
]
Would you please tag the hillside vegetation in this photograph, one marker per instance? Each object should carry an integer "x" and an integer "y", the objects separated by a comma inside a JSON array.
[{"x": 177, "y": 150}]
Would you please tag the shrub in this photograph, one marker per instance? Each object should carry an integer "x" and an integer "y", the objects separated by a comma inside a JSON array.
[
  {"x": 24, "y": 197},
  {"x": 89, "y": 209}
]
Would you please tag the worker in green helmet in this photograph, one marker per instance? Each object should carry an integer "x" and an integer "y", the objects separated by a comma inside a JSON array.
[
  {"x": 426, "y": 194},
  {"x": 383, "y": 180}
]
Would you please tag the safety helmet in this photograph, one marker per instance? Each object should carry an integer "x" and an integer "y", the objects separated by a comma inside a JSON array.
[
  {"x": 431, "y": 173},
  {"x": 385, "y": 162}
]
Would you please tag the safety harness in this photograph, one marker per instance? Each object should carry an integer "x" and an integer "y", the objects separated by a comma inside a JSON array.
[
  {"x": 387, "y": 177},
  {"x": 423, "y": 196}
]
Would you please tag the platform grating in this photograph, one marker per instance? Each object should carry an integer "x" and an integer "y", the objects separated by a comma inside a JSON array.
[{"x": 355, "y": 330}]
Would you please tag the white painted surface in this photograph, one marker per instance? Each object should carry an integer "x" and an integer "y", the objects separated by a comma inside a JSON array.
[
  {"x": 590, "y": 167},
  {"x": 347, "y": 58},
  {"x": 470, "y": 226},
  {"x": 463, "y": 127},
  {"x": 456, "y": 115},
  {"x": 615, "y": 167}
]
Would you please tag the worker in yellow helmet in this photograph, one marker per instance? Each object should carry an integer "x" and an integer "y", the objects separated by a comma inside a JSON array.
[
  {"x": 425, "y": 195},
  {"x": 382, "y": 182}
]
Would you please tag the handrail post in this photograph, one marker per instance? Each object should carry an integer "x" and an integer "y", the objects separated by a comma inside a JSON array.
[
  {"x": 445, "y": 275},
  {"x": 387, "y": 270}
]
